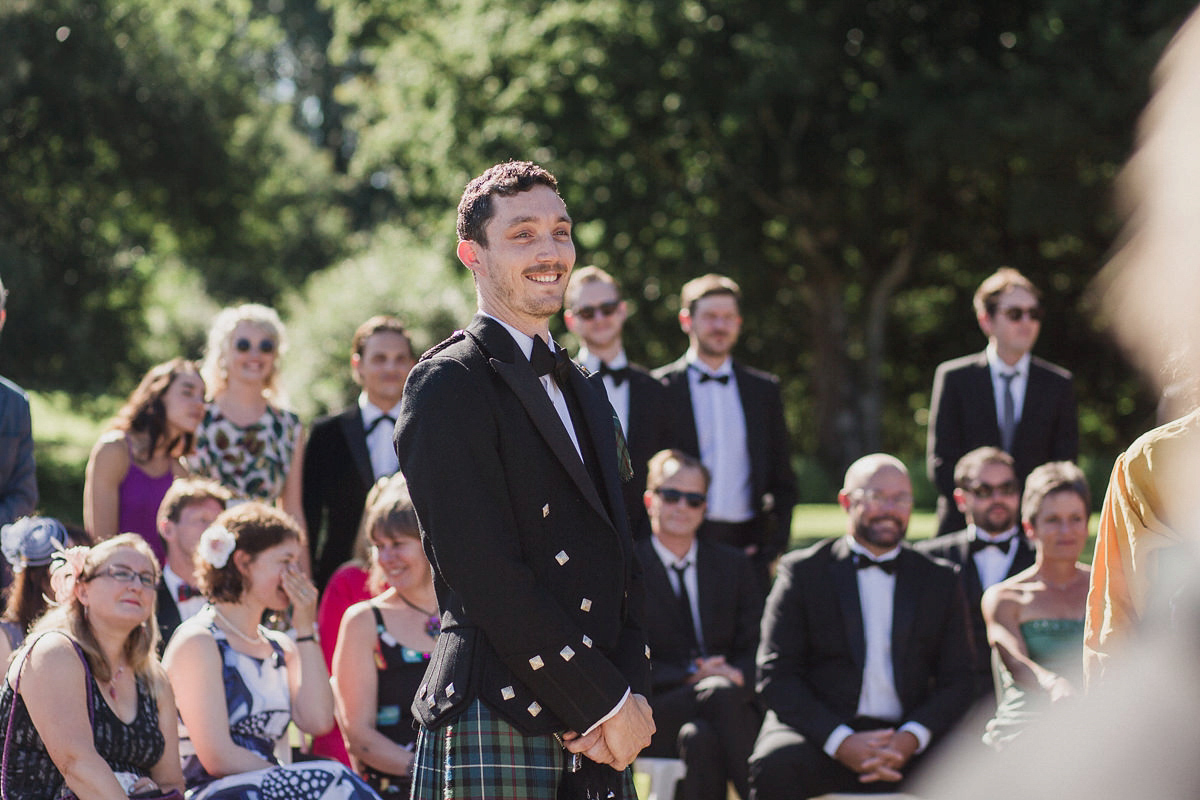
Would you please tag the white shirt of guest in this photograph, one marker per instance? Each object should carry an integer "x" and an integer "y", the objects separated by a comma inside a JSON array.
[
  {"x": 188, "y": 608},
  {"x": 379, "y": 441},
  {"x": 721, "y": 430},
  {"x": 618, "y": 396},
  {"x": 690, "y": 581},
  {"x": 878, "y": 697},
  {"x": 1019, "y": 383},
  {"x": 525, "y": 343},
  {"x": 992, "y": 564}
]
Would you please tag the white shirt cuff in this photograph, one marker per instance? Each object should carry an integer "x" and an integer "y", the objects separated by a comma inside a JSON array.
[
  {"x": 613, "y": 713},
  {"x": 921, "y": 732},
  {"x": 839, "y": 735}
]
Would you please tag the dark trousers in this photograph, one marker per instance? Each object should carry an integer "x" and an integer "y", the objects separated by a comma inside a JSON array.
[{"x": 711, "y": 726}]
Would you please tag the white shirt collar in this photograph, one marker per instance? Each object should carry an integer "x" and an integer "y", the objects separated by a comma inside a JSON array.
[
  {"x": 371, "y": 412},
  {"x": 998, "y": 366},
  {"x": 668, "y": 558},
  {"x": 862, "y": 551},
  {"x": 693, "y": 360},
  {"x": 524, "y": 341},
  {"x": 975, "y": 532}
]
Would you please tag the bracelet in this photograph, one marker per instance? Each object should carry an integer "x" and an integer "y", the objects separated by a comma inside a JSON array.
[{"x": 310, "y": 638}]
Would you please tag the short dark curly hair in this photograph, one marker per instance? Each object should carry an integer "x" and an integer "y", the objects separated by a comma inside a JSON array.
[
  {"x": 507, "y": 179},
  {"x": 256, "y": 527}
]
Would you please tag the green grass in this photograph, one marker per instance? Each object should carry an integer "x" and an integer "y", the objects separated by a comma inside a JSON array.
[{"x": 64, "y": 429}]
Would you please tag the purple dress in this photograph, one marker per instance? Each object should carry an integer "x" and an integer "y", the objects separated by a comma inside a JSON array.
[{"x": 138, "y": 499}]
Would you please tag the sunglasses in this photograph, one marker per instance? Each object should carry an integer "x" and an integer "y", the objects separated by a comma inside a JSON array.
[
  {"x": 243, "y": 345},
  {"x": 604, "y": 309},
  {"x": 672, "y": 496},
  {"x": 983, "y": 491},
  {"x": 126, "y": 575},
  {"x": 1015, "y": 313}
]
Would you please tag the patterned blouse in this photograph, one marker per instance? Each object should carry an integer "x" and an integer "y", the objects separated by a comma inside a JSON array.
[{"x": 252, "y": 461}]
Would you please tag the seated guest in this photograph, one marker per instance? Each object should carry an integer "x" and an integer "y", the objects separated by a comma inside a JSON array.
[
  {"x": 187, "y": 510},
  {"x": 248, "y": 564},
  {"x": 28, "y": 545},
  {"x": 990, "y": 549},
  {"x": 864, "y": 659},
  {"x": 93, "y": 713},
  {"x": 703, "y": 607},
  {"x": 135, "y": 461},
  {"x": 1035, "y": 618},
  {"x": 384, "y": 647}
]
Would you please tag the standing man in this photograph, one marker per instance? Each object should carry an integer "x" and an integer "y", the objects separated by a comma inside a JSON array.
[
  {"x": 18, "y": 478},
  {"x": 1002, "y": 397},
  {"x": 186, "y": 511},
  {"x": 731, "y": 416},
  {"x": 864, "y": 659},
  {"x": 596, "y": 314},
  {"x": 511, "y": 457},
  {"x": 703, "y": 608},
  {"x": 991, "y": 548},
  {"x": 348, "y": 451}
]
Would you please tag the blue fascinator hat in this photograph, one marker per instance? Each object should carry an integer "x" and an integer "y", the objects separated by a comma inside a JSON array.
[{"x": 31, "y": 541}]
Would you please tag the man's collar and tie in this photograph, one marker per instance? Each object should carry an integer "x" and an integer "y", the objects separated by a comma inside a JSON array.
[
  {"x": 186, "y": 592},
  {"x": 383, "y": 419},
  {"x": 721, "y": 375},
  {"x": 558, "y": 364},
  {"x": 887, "y": 562},
  {"x": 618, "y": 374},
  {"x": 378, "y": 428},
  {"x": 1002, "y": 544}
]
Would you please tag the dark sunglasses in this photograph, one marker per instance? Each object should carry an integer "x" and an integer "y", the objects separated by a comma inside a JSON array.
[
  {"x": 604, "y": 309},
  {"x": 1014, "y": 313},
  {"x": 985, "y": 490},
  {"x": 243, "y": 345},
  {"x": 672, "y": 496}
]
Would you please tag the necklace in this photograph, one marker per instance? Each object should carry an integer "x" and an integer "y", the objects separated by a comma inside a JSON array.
[
  {"x": 111, "y": 683},
  {"x": 434, "y": 624},
  {"x": 234, "y": 629}
]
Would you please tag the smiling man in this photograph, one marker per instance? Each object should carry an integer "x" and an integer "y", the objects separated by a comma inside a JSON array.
[{"x": 535, "y": 689}]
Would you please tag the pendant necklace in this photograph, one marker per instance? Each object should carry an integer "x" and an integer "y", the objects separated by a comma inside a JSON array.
[
  {"x": 234, "y": 629},
  {"x": 112, "y": 683},
  {"x": 433, "y": 625}
]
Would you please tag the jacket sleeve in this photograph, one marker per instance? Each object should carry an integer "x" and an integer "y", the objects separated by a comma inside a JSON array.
[{"x": 18, "y": 494}]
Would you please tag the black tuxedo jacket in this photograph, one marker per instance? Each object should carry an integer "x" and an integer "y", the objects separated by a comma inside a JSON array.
[
  {"x": 649, "y": 431},
  {"x": 956, "y": 548},
  {"x": 962, "y": 416},
  {"x": 731, "y": 606},
  {"x": 536, "y": 578},
  {"x": 771, "y": 477},
  {"x": 810, "y": 660},
  {"x": 167, "y": 614},
  {"x": 337, "y": 477}
]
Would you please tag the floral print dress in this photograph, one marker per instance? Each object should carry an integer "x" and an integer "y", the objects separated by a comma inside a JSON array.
[{"x": 251, "y": 461}]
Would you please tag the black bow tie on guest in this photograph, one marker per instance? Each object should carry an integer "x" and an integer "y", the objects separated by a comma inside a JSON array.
[
  {"x": 864, "y": 562},
  {"x": 705, "y": 377},
  {"x": 618, "y": 374},
  {"x": 391, "y": 421},
  {"x": 544, "y": 362},
  {"x": 978, "y": 545},
  {"x": 186, "y": 593}
]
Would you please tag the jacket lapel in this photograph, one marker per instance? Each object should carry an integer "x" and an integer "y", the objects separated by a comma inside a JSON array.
[
  {"x": 982, "y": 388},
  {"x": 351, "y": 424},
  {"x": 904, "y": 614},
  {"x": 845, "y": 585}
]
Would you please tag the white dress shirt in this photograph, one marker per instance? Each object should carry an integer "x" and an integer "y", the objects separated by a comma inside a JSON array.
[
  {"x": 992, "y": 564},
  {"x": 379, "y": 441},
  {"x": 721, "y": 430},
  {"x": 1019, "y": 383},
  {"x": 188, "y": 608},
  {"x": 618, "y": 396}
]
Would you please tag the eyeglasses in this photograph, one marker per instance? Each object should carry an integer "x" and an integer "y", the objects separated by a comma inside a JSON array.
[
  {"x": 672, "y": 496},
  {"x": 986, "y": 490},
  {"x": 126, "y": 575},
  {"x": 1015, "y": 313},
  {"x": 875, "y": 497},
  {"x": 604, "y": 309},
  {"x": 243, "y": 345}
]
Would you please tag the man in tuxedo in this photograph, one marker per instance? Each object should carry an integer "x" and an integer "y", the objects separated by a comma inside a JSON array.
[
  {"x": 596, "y": 314},
  {"x": 187, "y": 509},
  {"x": 703, "y": 607},
  {"x": 1004, "y": 396},
  {"x": 348, "y": 451},
  {"x": 535, "y": 688},
  {"x": 731, "y": 416},
  {"x": 991, "y": 547},
  {"x": 864, "y": 659}
]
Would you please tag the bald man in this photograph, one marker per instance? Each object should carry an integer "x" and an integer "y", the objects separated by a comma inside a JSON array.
[{"x": 864, "y": 658}]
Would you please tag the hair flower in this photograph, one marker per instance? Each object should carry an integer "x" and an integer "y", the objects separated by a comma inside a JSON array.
[
  {"x": 216, "y": 544},
  {"x": 65, "y": 568}
]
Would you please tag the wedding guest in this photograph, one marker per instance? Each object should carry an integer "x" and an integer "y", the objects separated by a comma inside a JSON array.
[
  {"x": 133, "y": 464},
  {"x": 189, "y": 508},
  {"x": 89, "y": 708},
  {"x": 1035, "y": 618},
  {"x": 398, "y": 628},
  {"x": 249, "y": 564}
]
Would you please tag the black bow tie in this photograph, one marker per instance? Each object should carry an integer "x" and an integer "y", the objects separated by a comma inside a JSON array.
[
  {"x": 705, "y": 377},
  {"x": 187, "y": 592},
  {"x": 546, "y": 363},
  {"x": 864, "y": 562},
  {"x": 378, "y": 420},
  {"x": 618, "y": 374},
  {"x": 978, "y": 545}
]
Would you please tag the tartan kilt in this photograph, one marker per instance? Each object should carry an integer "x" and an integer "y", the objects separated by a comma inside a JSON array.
[{"x": 479, "y": 756}]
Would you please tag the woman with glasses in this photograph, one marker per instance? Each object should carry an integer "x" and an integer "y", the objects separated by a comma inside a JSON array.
[
  {"x": 1035, "y": 618},
  {"x": 135, "y": 461},
  {"x": 385, "y": 643},
  {"x": 247, "y": 564},
  {"x": 85, "y": 706},
  {"x": 247, "y": 442}
]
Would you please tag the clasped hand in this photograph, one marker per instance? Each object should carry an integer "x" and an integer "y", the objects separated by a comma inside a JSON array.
[
  {"x": 618, "y": 740},
  {"x": 878, "y": 755}
]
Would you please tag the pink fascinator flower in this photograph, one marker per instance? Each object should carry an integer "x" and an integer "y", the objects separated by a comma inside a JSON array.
[{"x": 65, "y": 568}]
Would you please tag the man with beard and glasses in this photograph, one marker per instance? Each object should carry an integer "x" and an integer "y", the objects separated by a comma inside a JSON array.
[
  {"x": 864, "y": 658},
  {"x": 991, "y": 548}
]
